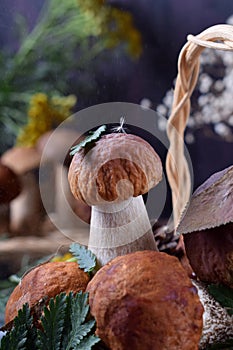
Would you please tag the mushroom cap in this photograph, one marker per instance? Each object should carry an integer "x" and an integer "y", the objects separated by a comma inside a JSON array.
[
  {"x": 21, "y": 159},
  {"x": 45, "y": 282},
  {"x": 211, "y": 204},
  {"x": 117, "y": 167},
  {"x": 210, "y": 253},
  {"x": 10, "y": 185},
  {"x": 145, "y": 300}
]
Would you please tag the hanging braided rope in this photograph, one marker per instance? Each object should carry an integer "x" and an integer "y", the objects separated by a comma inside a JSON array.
[{"x": 216, "y": 37}]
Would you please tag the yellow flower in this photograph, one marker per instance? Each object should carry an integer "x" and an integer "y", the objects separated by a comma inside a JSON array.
[
  {"x": 65, "y": 257},
  {"x": 44, "y": 114},
  {"x": 116, "y": 26},
  {"x": 39, "y": 98}
]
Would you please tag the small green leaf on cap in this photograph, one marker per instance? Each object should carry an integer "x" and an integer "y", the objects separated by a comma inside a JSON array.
[
  {"x": 93, "y": 136},
  {"x": 86, "y": 259}
]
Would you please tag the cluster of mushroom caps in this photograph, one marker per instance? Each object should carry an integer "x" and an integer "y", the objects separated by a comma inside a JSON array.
[{"x": 141, "y": 298}]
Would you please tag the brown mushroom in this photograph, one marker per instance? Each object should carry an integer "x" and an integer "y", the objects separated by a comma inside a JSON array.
[
  {"x": 111, "y": 178},
  {"x": 21, "y": 159},
  {"x": 208, "y": 229},
  {"x": 145, "y": 300},
  {"x": 26, "y": 210},
  {"x": 10, "y": 187},
  {"x": 44, "y": 282}
]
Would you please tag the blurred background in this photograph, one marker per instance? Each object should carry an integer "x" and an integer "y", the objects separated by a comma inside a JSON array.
[
  {"x": 116, "y": 50},
  {"x": 57, "y": 58}
]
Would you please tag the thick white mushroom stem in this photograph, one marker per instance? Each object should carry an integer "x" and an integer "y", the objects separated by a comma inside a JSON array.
[{"x": 120, "y": 228}]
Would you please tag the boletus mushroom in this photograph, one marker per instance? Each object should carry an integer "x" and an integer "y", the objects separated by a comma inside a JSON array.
[
  {"x": 145, "y": 300},
  {"x": 111, "y": 177},
  {"x": 44, "y": 282},
  {"x": 207, "y": 227}
]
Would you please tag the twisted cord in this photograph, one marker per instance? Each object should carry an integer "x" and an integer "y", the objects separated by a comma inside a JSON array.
[{"x": 178, "y": 173}]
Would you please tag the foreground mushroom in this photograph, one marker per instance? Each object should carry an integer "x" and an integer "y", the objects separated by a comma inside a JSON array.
[
  {"x": 44, "y": 282},
  {"x": 111, "y": 178},
  {"x": 208, "y": 229},
  {"x": 145, "y": 301}
]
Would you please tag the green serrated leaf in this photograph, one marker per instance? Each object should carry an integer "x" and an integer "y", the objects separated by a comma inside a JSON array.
[
  {"x": 24, "y": 317},
  {"x": 63, "y": 326},
  {"x": 17, "y": 338},
  {"x": 94, "y": 136},
  {"x": 80, "y": 328},
  {"x": 67, "y": 321},
  {"x": 79, "y": 333},
  {"x": 223, "y": 295},
  {"x": 86, "y": 259},
  {"x": 53, "y": 323},
  {"x": 79, "y": 308},
  {"x": 87, "y": 343}
]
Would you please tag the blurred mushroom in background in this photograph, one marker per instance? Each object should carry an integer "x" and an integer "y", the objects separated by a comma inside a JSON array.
[
  {"x": 10, "y": 188},
  {"x": 54, "y": 147},
  {"x": 26, "y": 211}
]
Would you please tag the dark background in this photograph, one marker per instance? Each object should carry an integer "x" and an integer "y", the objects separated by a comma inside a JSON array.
[{"x": 164, "y": 25}]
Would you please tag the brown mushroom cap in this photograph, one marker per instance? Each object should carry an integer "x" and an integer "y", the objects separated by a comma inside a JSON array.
[
  {"x": 208, "y": 229},
  {"x": 21, "y": 159},
  {"x": 145, "y": 300},
  {"x": 45, "y": 282},
  {"x": 211, "y": 204},
  {"x": 117, "y": 167},
  {"x": 10, "y": 185},
  {"x": 210, "y": 253}
]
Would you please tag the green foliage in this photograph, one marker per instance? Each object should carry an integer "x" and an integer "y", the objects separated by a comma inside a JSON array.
[
  {"x": 91, "y": 138},
  {"x": 79, "y": 311},
  {"x": 52, "y": 322},
  {"x": 58, "y": 45},
  {"x": 223, "y": 295},
  {"x": 87, "y": 343},
  {"x": 58, "y": 56},
  {"x": 64, "y": 326},
  {"x": 22, "y": 335},
  {"x": 86, "y": 259}
]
